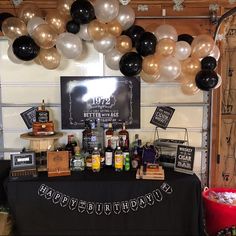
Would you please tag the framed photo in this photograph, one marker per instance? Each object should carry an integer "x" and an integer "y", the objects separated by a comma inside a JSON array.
[{"x": 24, "y": 160}]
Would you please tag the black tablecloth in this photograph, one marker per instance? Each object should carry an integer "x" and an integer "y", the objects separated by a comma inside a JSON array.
[
  {"x": 4, "y": 172},
  {"x": 107, "y": 203}
]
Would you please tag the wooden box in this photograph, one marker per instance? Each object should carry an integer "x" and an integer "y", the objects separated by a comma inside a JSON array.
[
  {"x": 58, "y": 163},
  {"x": 46, "y": 128}
]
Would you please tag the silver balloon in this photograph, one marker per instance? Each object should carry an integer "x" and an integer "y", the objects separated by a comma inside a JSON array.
[
  {"x": 112, "y": 59},
  {"x": 182, "y": 50},
  {"x": 126, "y": 16},
  {"x": 34, "y": 23},
  {"x": 12, "y": 56},
  {"x": 215, "y": 53},
  {"x": 166, "y": 31},
  {"x": 170, "y": 68},
  {"x": 69, "y": 45},
  {"x": 106, "y": 10},
  {"x": 106, "y": 44},
  {"x": 219, "y": 82},
  {"x": 83, "y": 33}
]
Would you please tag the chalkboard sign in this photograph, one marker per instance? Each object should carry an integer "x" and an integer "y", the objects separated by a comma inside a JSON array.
[
  {"x": 162, "y": 116},
  {"x": 29, "y": 116},
  {"x": 184, "y": 160},
  {"x": 112, "y": 99}
]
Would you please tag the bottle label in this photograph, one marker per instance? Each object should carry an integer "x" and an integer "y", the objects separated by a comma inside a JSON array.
[
  {"x": 108, "y": 158},
  {"x": 96, "y": 162},
  {"x": 107, "y": 137},
  {"x": 119, "y": 158},
  {"x": 42, "y": 116}
]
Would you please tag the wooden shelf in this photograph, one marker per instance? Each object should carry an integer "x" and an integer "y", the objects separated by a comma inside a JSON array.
[{"x": 229, "y": 116}]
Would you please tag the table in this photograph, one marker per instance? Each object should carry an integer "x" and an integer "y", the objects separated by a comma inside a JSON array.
[{"x": 107, "y": 203}]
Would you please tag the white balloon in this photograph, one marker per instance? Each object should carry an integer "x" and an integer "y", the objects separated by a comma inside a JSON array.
[
  {"x": 33, "y": 23},
  {"x": 12, "y": 56},
  {"x": 112, "y": 59},
  {"x": 126, "y": 16},
  {"x": 106, "y": 10},
  {"x": 170, "y": 68},
  {"x": 69, "y": 45},
  {"x": 215, "y": 53},
  {"x": 182, "y": 50},
  {"x": 166, "y": 31},
  {"x": 83, "y": 32},
  {"x": 106, "y": 44}
]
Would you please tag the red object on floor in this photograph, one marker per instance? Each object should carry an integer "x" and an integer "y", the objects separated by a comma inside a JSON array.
[{"x": 218, "y": 215}]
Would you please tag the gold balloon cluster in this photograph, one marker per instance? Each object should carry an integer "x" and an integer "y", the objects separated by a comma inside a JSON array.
[{"x": 173, "y": 60}]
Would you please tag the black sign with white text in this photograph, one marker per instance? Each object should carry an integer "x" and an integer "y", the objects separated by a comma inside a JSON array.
[
  {"x": 184, "y": 160},
  {"x": 29, "y": 116},
  {"x": 113, "y": 99},
  {"x": 162, "y": 116}
]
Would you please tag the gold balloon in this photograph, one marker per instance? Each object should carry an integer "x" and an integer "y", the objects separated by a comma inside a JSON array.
[
  {"x": 96, "y": 29},
  {"x": 165, "y": 47},
  {"x": 191, "y": 66},
  {"x": 63, "y": 6},
  {"x": 28, "y": 11},
  {"x": 45, "y": 36},
  {"x": 114, "y": 28},
  {"x": 190, "y": 88},
  {"x": 57, "y": 21},
  {"x": 202, "y": 45},
  {"x": 150, "y": 65},
  {"x": 49, "y": 58},
  {"x": 124, "y": 44},
  {"x": 149, "y": 78},
  {"x": 152, "y": 27},
  {"x": 14, "y": 27},
  {"x": 185, "y": 78}
]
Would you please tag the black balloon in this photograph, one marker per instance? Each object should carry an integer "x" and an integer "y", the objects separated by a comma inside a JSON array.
[
  {"x": 82, "y": 11},
  {"x": 25, "y": 48},
  {"x": 130, "y": 64},
  {"x": 134, "y": 32},
  {"x": 208, "y": 63},
  {"x": 185, "y": 37},
  {"x": 72, "y": 27},
  {"x": 4, "y": 16},
  {"x": 146, "y": 45},
  {"x": 206, "y": 79}
]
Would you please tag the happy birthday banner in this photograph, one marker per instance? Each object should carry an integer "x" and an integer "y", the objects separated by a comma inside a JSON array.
[
  {"x": 155, "y": 52},
  {"x": 117, "y": 207}
]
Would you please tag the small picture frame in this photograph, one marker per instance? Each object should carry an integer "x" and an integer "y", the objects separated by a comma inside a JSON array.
[
  {"x": 23, "y": 160},
  {"x": 29, "y": 116}
]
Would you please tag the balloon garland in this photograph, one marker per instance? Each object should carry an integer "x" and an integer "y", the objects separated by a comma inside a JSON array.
[{"x": 154, "y": 53}]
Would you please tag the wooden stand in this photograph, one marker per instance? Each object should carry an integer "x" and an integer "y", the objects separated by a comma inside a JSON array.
[
  {"x": 42, "y": 143},
  {"x": 157, "y": 175}
]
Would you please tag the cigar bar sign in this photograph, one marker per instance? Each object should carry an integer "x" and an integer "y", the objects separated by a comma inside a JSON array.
[{"x": 112, "y": 99}]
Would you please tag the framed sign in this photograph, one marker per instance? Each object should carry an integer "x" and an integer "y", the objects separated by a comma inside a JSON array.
[
  {"x": 184, "y": 160},
  {"x": 162, "y": 116},
  {"x": 112, "y": 99},
  {"x": 29, "y": 116}
]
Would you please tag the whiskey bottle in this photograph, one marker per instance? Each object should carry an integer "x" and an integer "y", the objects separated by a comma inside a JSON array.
[
  {"x": 124, "y": 135},
  {"x": 69, "y": 146},
  {"x": 42, "y": 114},
  {"x": 108, "y": 133},
  {"x": 86, "y": 136}
]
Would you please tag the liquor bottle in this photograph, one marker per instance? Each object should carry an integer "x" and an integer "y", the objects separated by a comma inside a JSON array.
[
  {"x": 127, "y": 162},
  {"x": 108, "y": 155},
  {"x": 136, "y": 159},
  {"x": 96, "y": 160},
  {"x": 73, "y": 141},
  {"x": 100, "y": 135},
  {"x": 118, "y": 159},
  {"x": 86, "y": 136},
  {"x": 108, "y": 133},
  {"x": 125, "y": 150},
  {"x": 42, "y": 114},
  {"x": 77, "y": 161},
  {"x": 93, "y": 141},
  {"x": 69, "y": 146},
  {"x": 233, "y": 230},
  {"x": 124, "y": 134},
  {"x": 114, "y": 140}
]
